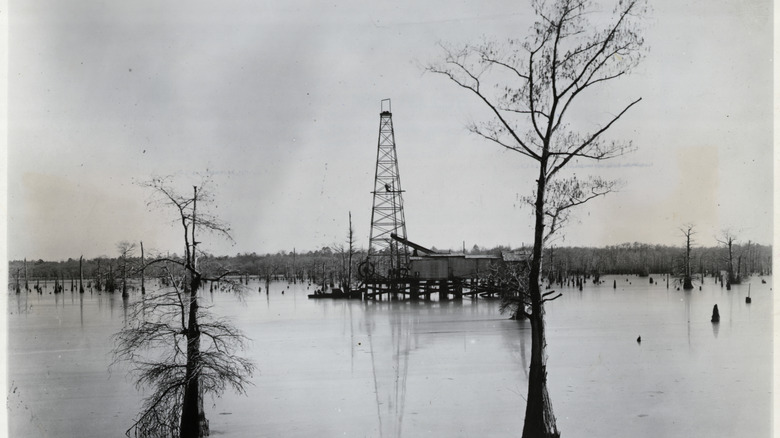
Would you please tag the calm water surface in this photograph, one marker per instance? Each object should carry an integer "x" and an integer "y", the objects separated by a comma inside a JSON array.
[{"x": 388, "y": 369}]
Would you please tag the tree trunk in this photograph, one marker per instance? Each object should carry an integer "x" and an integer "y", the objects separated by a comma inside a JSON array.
[
  {"x": 738, "y": 279},
  {"x": 143, "y": 268},
  {"x": 351, "y": 252},
  {"x": 731, "y": 262},
  {"x": 124, "y": 277},
  {"x": 539, "y": 416},
  {"x": 81, "y": 275},
  {"x": 98, "y": 281},
  {"x": 687, "y": 283},
  {"x": 193, "y": 418}
]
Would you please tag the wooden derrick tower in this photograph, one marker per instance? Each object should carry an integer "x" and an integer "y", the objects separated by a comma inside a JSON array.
[{"x": 387, "y": 258}]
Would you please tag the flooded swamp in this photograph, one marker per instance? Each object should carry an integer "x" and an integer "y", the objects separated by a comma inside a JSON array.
[{"x": 453, "y": 368}]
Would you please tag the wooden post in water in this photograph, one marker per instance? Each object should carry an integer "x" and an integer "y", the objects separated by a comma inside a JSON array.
[
  {"x": 747, "y": 298},
  {"x": 414, "y": 289},
  {"x": 26, "y": 283}
]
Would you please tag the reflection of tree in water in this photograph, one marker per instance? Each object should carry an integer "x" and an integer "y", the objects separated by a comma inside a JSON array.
[
  {"x": 515, "y": 334},
  {"x": 125, "y": 305},
  {"x": 81, "y": 309},
  {"x": 687, "y": 299},
  {"x": 390, "y": 362}
]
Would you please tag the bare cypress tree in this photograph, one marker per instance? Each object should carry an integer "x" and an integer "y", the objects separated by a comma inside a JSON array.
[
  {"x": 687, "y": 232},
  {"x": 98, "y": 277},
  {"x": 176, "y": 346},
  {"x": 728, "y": 239},
  {"x": 143, "y": 271},
  {"x": 18, "y": 287},
  {"x": 346, "y": 254},
  {"x": 350, "y": 252},
  {"x": 81, "y": 274},
  {"x": 126, "y": 252},
  {"x": 536, "y": 81}
]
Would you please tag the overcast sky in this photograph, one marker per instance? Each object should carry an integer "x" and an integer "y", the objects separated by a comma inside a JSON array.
[{"x": 280, "y": 100}]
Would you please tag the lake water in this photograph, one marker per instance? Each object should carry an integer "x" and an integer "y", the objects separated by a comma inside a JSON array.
[{"x": 456, "y": 369}]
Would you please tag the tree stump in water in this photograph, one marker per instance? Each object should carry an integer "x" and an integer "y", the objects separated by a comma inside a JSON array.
[{"x": 715, "y": 314}]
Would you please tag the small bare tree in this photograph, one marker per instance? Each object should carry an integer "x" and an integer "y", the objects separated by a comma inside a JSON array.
[
  {"x": 126, "y": 252},
  {"x": 687, "y": 231},
  {"x": 535, "y": 83},
  {"x": 346, "y": 254},
  {"x": 728, "y": 239},
  {"x": 173, "y": 344}
]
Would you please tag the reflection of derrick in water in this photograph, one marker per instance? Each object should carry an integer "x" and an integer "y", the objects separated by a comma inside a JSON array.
[
  {"x": 390, "y": 374},
  {"x": 401, "y": 339}
]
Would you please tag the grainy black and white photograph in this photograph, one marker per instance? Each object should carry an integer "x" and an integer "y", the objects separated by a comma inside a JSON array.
[{"x": 534, "y": 218}]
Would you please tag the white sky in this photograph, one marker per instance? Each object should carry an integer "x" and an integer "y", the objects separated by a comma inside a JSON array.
[{"x": 281, "y": 100}]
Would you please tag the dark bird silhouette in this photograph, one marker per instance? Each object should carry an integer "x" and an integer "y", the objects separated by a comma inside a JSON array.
[
  {"x": 387, "y": 187},
  {"x": 639, "y": 340}
]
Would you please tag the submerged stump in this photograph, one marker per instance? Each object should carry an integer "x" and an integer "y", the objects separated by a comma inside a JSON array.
[{"x": 715, "y": 314}]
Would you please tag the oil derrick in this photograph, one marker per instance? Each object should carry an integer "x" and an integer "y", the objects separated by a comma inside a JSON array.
[{"x": 387, "y": 258}]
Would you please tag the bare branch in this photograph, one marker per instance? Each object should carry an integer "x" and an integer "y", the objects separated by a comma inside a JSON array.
[{"x": 578, "y": 151}]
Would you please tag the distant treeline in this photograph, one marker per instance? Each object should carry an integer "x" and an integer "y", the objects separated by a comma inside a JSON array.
[
  {"x": 327, "y": 264},
  {"x": 643, "y": 259}
]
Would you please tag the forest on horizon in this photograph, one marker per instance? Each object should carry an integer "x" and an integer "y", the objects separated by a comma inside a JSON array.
[{"x": 327, "y": 262}]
